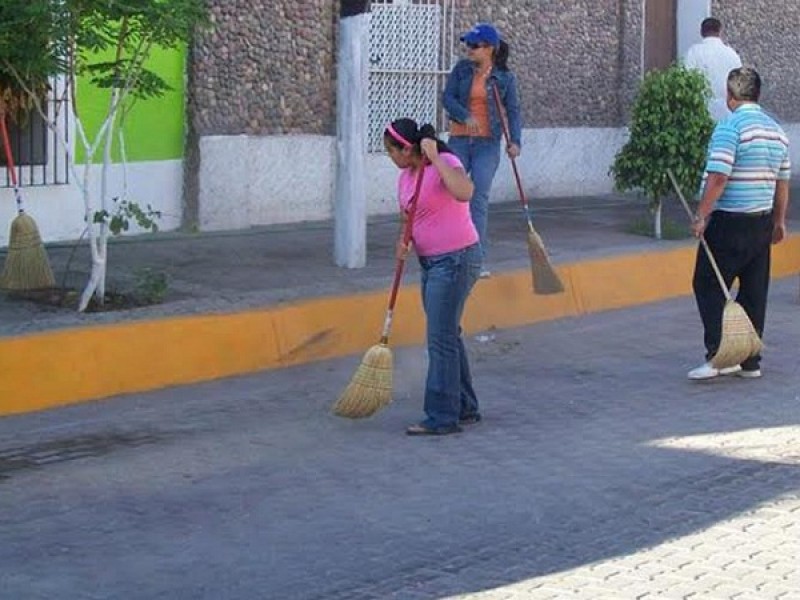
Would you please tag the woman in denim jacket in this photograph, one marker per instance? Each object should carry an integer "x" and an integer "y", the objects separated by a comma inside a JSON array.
[{"x": 475, "y": 125}]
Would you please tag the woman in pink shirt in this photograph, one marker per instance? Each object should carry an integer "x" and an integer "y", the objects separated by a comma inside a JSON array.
[{"x": 446, "y": 243}]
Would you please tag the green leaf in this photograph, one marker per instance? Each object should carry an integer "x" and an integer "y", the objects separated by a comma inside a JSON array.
[{"x": 670, "y": 128}]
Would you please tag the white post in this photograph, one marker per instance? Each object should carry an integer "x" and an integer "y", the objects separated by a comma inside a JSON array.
[{"x": 350, "y": 201}]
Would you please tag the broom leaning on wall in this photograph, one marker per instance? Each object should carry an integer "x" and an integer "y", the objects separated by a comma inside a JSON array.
[{"x": 27, "y": 266}]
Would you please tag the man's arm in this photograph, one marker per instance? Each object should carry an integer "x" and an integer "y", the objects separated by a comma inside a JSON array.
[
  {"x": 712, "y": 191},
  {"x": 719, "y": 165},
  {"x": 779, "y": 208},
  {"x": 715, "y": 185}
]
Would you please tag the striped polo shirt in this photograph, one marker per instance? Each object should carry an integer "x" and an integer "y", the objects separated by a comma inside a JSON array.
[{"x": 753, "y": 151}]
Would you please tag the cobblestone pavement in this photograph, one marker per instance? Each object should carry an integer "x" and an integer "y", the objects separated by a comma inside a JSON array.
[{"x": 599, "y": 472}]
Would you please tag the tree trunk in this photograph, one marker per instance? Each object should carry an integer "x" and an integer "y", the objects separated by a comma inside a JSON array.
[
  {"x": 96, "y": 280},
  {"x": 98, "y": 239},
  {"x": 657, "y": 220}
]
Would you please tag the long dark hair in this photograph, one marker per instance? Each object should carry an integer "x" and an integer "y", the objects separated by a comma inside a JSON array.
[
  {"x": 501, "y": 56},
  {"x": 413, "y": 134}
]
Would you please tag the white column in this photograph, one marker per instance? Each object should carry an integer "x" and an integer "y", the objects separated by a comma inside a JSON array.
[
  {"x": 350, "y": 200},
  {"x": 690, "y": 14}
]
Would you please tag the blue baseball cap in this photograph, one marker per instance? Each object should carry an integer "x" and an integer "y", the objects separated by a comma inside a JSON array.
[{"x": 482, "y": 33}]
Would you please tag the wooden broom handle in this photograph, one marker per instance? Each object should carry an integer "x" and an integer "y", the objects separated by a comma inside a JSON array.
[
  {"x": 504, "y": 121},
  {"x": 703, "y": 241}
]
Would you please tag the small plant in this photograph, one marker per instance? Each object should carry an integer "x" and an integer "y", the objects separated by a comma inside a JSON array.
[
  {"x": 125, "y": 212},
  {"x": 670, "y": 128},
  {"x": 151, "y": 286}
]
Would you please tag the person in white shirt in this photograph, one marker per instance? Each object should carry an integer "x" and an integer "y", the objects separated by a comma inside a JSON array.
[{"x": 715, "y": 59}]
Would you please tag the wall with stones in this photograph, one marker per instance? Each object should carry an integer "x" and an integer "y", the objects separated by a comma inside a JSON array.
[
  {"x": 266, "y": 67},
  {"x": 765, "y": 33},
  {"x": 575, "y": 61}
]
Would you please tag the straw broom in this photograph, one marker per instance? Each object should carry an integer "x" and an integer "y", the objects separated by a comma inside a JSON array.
[
  {"x": 545, "y": 279},
  {"x": 739, "y": 340},
  {"x": 27, "y": 266},
  {"x": 370, "y": 389}
]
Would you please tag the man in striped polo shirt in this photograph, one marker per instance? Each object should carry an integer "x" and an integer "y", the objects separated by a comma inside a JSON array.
[{"x": 742, "y": 212}]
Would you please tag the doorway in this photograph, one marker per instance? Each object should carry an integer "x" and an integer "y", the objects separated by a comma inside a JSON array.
[{"x": 660, "y": 44}]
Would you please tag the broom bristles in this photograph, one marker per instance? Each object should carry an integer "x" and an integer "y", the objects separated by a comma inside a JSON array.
[
  {"x": 739, "y": 340},
  {"x": 545, "y": 278},
  {"x": 370, "y": 389},
  {"x": 27, "y": 266}
]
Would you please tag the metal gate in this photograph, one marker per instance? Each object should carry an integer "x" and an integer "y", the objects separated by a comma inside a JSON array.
[{"x": 411, "y": 51}]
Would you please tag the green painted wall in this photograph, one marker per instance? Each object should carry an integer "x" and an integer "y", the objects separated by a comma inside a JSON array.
[{"x": 154, "y": 128}]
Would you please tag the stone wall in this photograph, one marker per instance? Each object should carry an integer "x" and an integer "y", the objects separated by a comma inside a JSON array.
[
  {"x": 266, "y": 67},
  {"x": 571, "y": 58},
  {"x": 767, "y": 38}
]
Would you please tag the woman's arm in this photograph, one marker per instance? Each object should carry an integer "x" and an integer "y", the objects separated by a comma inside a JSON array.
[
  {"x": 455, "y": 179},
  {"x": 513, "y": 111},
  {"x": 455, "y": 108}
]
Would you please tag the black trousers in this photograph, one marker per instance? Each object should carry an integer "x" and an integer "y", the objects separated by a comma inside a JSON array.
[{"x": 741, "y": 245}]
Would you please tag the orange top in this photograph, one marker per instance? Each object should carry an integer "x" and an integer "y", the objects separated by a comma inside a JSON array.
[{"x": 478, "y": 109}]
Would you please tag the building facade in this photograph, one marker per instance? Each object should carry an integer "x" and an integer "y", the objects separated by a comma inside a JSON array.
[
  {"x": 263, "y": 93},
  {"x": 154, "y": 147},
  {"x": 261, "y": 87}
]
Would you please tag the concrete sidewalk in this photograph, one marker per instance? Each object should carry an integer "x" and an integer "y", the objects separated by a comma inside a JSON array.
[
  {"x": 252, "y": 268},
  {"x": 245, "y": 301},
  {"x": 598, "y": 473}
]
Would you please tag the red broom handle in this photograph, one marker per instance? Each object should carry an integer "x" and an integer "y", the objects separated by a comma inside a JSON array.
[
  {"x": 398, "y": 271},
  {"x": 12, "y": 171},
  {"x": 504, "y": 121}
]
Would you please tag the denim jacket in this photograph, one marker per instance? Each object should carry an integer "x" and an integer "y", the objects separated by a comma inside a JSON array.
[{"x": 456, "y": 98}]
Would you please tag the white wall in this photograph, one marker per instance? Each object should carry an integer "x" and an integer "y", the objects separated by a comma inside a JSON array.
[
  {"x": 58, "y": 209},
  {"x": 690, "y": 14},
  {"x": 251, "y": 180},
  {"x": 246, "y": 180}
]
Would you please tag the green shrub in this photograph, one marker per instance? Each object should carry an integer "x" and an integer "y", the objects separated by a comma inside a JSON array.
[{"x": 670, "y": 128}]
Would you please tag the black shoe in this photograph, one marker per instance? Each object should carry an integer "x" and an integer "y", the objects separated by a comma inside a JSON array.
[
  {"x": 422, "y": 429},
  {"x": 470, "y": 419}
]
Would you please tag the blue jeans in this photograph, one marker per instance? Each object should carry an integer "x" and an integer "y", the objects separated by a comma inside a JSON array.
[
  {"x": 480, "y": 157},
  {"x": 446, "y": 282}
]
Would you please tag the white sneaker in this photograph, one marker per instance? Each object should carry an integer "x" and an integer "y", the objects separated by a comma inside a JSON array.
[
  {"x": 485, "y": 274},
  {"x": 708, "y": 371},
  {"x": 753, "y": 374}
]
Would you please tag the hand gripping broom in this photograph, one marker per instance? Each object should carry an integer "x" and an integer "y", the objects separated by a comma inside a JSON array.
[
  {"x": 739, "y": 340},
  {"x": 371, "y": 386},
  {"x": 27, "y": 266},
  {"x": 545, "y": 278}
]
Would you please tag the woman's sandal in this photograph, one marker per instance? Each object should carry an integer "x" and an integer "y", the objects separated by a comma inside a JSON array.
[{"x": 420, "y": 429}]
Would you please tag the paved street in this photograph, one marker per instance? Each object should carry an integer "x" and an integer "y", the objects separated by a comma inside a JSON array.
[{"x": 599, "y": 472}]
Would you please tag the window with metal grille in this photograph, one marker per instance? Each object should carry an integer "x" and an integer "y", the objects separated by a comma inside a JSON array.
[
  {"x": 37, "y": 154},
  {"x": 410, "y": 54}
]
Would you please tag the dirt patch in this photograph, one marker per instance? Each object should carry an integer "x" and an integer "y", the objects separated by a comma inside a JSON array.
[{"x": 68, "y": 298}]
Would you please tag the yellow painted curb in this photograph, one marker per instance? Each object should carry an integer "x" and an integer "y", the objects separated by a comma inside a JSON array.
[{"x": 49, "y": 369}]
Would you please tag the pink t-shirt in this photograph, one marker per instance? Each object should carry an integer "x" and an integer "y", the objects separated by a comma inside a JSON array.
[{"x": 442, "y": 223}]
